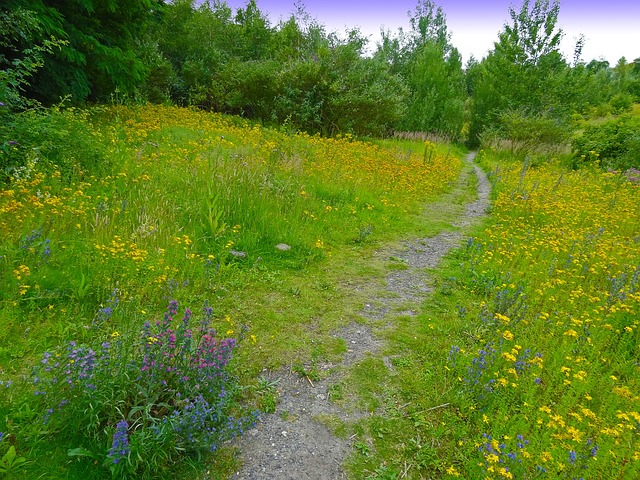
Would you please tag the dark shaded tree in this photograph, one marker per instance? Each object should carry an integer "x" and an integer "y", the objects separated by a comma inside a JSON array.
[{"x": 100, "y": 53}]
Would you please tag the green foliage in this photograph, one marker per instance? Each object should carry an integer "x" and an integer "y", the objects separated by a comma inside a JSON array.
[
  {"x": 431, "y": 68},
  {"x": 20, "y": 57},
  {"x": 526, "y": 73},
  {"x": 363, "y": 96},
  {"x": 100, "y": 50},
  {"x": 55, "y": 140},
  {"x": 294, "y": 74},
  {"x": 437, "y": 99},
  {"x": 531, "y": 133},
  {"x": 532, "y": 34},
  {"x": 612, "y": 144},
  {"x": 621, "y": 102},
  {"x": 10, "y": 461}
]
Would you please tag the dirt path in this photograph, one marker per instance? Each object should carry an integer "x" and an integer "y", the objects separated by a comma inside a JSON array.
[{"x": 292, "y": 444}]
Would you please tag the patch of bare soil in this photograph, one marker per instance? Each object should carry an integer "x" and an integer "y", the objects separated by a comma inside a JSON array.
[{"x": 291, "y": 444}]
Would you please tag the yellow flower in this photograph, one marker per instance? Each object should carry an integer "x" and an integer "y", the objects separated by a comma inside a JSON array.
[
  {"x": 507, "y": 335},
  {"x": 509, "y": 357},
  {"x": 504, "y": 473},
  {"x": 22, "y": 271},
  {"x": 452, "y": 471}
]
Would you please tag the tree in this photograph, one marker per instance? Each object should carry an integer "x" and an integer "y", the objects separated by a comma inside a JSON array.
[
  {"x": 100, "y": 50},
  {"x": 20, "y": 56},
  {"x": 431, "y": 68},
  {"x": 524, "y": 72},
  {"x": 533, "y": 33},
  {"x": 364, "y": 97}
]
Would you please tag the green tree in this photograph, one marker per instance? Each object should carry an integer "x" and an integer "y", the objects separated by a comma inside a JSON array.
[
  {"x": 432, "y": 69},
  {"x": 532, "y": 34},
  {"x": 20, "y": 56},
  {"x": 100, "y": 53},
  {"x": 364, "y": 98},
  {"x": 524, "y": 72}
]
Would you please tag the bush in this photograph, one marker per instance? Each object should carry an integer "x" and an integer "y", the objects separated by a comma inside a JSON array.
[
  {"x": 54, "y": 139},
  {"x": 614, "y": 144},
  {"x": 621, "y": 102},
  {"x": 135, "y": 402},
  {"x": 532, "y": 132}
]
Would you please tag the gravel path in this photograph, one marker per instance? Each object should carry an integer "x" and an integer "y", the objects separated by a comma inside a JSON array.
[{"x": 292, "y": 444}]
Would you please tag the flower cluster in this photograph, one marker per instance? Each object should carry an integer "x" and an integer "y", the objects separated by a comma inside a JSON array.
[
  {"x": 555, "y": 353},
  {"x": 120, "y": 444},
  {"x": 171, "y": 380}
]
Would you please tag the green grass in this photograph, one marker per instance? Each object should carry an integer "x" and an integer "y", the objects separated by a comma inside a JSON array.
[
  {"x": 183, "y": 193},
  {"x": 185, "y": 190}
]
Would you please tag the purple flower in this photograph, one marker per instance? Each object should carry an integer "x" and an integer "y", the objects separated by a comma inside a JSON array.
[
  {"x": 572, "y": 457},
  {"x": 120, "y": 445}
]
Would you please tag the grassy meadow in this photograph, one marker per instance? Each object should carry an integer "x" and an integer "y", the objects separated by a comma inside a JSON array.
[
  {"x": 144, "y": 291},
  {"x": 169, "y": 206},
  {"x": 524, "y": 363}
]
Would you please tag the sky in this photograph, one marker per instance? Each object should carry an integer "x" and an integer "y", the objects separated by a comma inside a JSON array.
[{"x": 611, "y": 27}]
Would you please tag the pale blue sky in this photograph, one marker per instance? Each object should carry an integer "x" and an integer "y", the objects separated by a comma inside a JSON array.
[{"x": 611, "y": 27}]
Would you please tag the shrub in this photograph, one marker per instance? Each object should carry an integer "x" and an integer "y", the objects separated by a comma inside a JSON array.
[
  {"x": 615, "y": 144},
  {"x": 621, "y": 102},
  {"x": 532, "y": 132},
  {"x": 54, "y": 139}
]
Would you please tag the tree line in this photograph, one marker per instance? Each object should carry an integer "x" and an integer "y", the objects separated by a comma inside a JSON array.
[{"x": 297, "y": 74}]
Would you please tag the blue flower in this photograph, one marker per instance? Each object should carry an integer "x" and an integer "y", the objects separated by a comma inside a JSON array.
[{"x": 120, "y": 445}]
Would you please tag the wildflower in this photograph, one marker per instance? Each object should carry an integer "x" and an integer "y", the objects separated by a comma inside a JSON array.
[
  {"x": 505, "y": 473},
  {"x": 451, "y": 470},
  {"x": 507, "y": 335},
  {"x": 508, "y": 356},
  {"x": 120, "y": 445}
]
